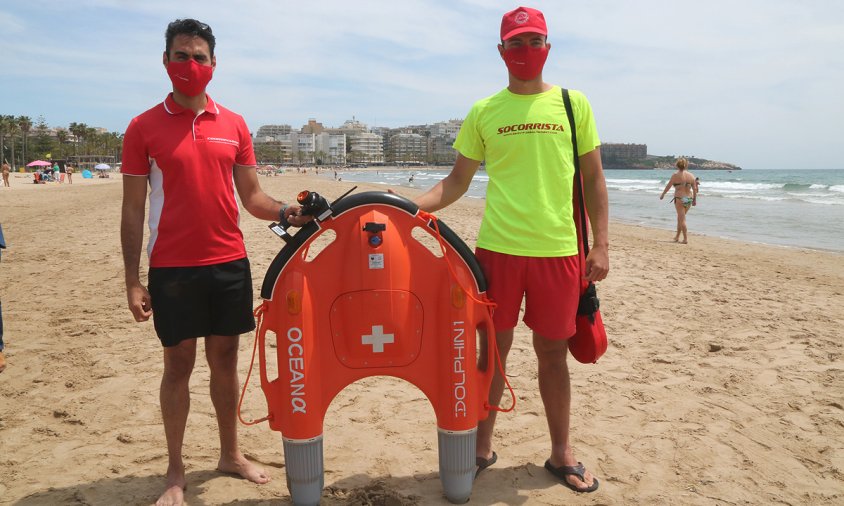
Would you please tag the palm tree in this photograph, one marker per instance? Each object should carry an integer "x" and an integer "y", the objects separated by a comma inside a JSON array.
[
  {"x": 11, "y": 128},
  {"x": 78, "y": 130},
  {"x": 114, "y": 144},
  {"x": 320, "y": 157},
  {"x": 43, "y": 142},
  {"x": 25, "y": 124},
  {"x": 106, "y": 143},
  {"x": 93, "y": 142},
  {"x": 4, "y": 131},
  {"x": 89, "y": 135},
  {"x": 61, "y": 136}
]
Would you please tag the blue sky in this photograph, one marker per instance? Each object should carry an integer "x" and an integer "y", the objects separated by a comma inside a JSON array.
[{"x": 752, "y": 82}]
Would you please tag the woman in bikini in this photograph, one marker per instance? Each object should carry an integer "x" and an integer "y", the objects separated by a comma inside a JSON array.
[{"x": 685, "y": 196}]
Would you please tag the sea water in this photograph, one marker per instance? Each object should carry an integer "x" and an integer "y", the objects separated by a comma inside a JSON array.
[{"x": 799, "y": 208}]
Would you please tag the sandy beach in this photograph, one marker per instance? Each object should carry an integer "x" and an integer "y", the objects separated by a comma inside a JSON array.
[{"x": 723, "y": 382}]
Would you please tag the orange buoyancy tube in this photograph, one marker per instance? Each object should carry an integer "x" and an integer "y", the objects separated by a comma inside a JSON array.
[{"x": 376, "y": 301}]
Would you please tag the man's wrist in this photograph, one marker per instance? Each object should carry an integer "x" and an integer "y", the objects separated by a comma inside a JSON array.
[{"x": 281, "y": 217}]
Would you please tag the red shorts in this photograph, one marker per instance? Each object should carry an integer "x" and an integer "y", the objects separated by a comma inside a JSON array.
[{"x": 550, "y": 286}]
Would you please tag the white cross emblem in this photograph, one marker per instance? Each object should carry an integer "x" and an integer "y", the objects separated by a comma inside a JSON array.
[{"x": 377, "y": 339}]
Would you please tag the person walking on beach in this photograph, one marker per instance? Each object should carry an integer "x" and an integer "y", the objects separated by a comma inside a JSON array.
[
  {"x": 193, "y": 153},
  {"x": 69, "y": 171},
  {"x": 6, "y": 170},
  {"x": 527, "y": 243},
  {"x": 2, "y": 346},
  {"x": 685, "y": 196}
]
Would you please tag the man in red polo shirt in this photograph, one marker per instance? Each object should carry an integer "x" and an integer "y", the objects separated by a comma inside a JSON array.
[{"x": 193, "y": 154}]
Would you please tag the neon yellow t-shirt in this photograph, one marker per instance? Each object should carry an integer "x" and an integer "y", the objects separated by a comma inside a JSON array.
[{"x": 526, "y": 143}]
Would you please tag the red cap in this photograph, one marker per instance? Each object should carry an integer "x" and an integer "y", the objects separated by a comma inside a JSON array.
[{"x": 522, "y": 20}]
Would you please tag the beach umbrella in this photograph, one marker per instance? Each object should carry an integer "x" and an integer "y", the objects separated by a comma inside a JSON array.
[
  {"x": 38, "y": 163},
  {"x": 102, "y": 166}
]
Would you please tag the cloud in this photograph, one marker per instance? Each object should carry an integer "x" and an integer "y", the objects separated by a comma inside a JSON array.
[
  {"x": 10, "y": 25},
  {"x": 743, "y": 82}
]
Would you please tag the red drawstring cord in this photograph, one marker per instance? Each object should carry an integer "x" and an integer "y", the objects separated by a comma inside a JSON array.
[
  {"x": 259, "y": 314},
  {"x": 451, "y": 272},
  {"x": 491, "y": 407}
]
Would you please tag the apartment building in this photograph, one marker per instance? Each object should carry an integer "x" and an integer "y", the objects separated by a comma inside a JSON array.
[
  {"x": 443, "y": 134},
  {"x": 313, "y": 127},
  {"x": 330, "y": 148},
  {"x": 366, "y": 147},
  {"x": 624, "y": 151},
  {"x": 447, "y": 129},
  {"x": 354, "y": 142},
  {"x": 273, "y": 131},
  {"x": 407, "y": 148},
  {"x": 352, "y": 127}
]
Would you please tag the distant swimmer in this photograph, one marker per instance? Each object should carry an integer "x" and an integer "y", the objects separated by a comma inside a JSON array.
[{"x": 685, "y": 196}]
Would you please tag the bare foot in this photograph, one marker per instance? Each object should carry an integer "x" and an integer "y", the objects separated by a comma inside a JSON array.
[
  {"x": 174, "y": 493},
  {"x": 243, "y": 468},
  {"x": 685, "y": 241}
]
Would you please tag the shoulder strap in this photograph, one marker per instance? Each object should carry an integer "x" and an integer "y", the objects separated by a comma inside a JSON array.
[{"x": 578, "y": 181}]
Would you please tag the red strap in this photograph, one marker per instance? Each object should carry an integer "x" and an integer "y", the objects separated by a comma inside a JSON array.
[
  {"x": 433, "y": 219},
  {"x": 259, "y": 314}
]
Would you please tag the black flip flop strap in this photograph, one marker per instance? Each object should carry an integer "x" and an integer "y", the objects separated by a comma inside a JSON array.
[{"x": 577, "y": 470}]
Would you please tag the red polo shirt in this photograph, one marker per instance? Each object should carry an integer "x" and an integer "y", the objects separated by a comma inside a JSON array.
[{"x": 189, "y": 160}]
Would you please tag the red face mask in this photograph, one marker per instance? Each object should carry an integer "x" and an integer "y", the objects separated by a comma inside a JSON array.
[
  {"x": 189, "y": 77},
  {"x": 525, "y": 62}
]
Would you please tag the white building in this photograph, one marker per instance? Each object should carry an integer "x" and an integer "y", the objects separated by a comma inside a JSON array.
[
  {"x": 443, "y": 135},
  {"x": 274, "y": 131},
  {"x": 284, "y": 144},
  {"x": 353, "y": 127},
  {"x": 304, "y": 148},
  {"x": 448, "y": 129},
  {"x": 366, "y": 147},
  {"x": 331, "y": 148},
  {"x": 407, "y": 148}
]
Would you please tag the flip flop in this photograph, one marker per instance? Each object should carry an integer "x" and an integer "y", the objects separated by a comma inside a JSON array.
[
  {"x": 563, "y": 471},
  {"x": 483, "y": 463}
]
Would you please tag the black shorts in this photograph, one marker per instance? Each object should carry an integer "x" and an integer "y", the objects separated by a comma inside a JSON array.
[{"x": 191, "y": 302}]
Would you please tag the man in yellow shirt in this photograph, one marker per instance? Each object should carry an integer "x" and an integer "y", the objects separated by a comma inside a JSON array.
[{"x": 527, "y": 243}]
